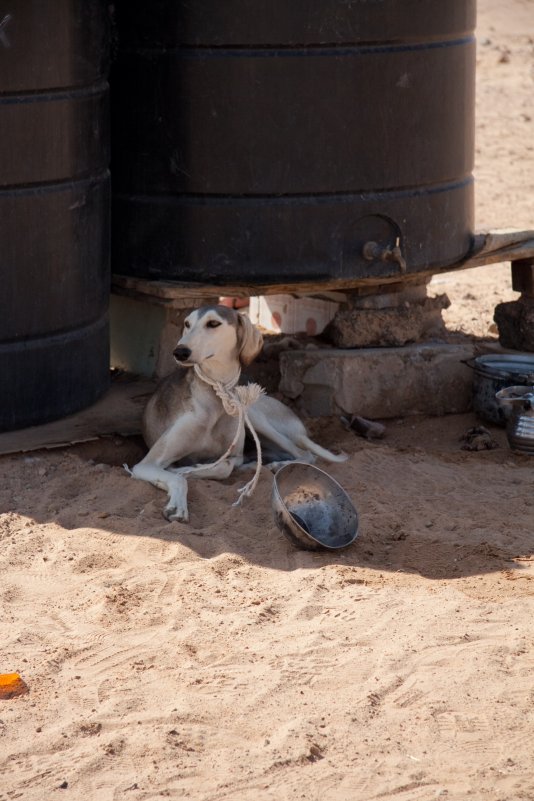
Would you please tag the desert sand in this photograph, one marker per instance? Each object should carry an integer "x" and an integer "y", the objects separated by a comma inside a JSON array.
[{"x": 215, "y": 661}]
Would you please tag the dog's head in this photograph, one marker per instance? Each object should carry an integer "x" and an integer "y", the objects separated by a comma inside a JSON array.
[{"x": 218, "y": 333}]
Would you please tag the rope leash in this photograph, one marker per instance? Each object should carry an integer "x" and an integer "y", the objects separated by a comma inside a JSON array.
[{"x": 236, "y": 400}]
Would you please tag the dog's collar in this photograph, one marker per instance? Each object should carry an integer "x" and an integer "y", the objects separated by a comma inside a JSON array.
[{"x": 213, "y": 383}]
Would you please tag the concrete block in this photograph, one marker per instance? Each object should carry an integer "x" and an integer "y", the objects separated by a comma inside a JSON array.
[{"x": 379, "y": 382}]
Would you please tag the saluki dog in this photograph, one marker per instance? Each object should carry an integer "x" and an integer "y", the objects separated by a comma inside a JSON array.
[{"x": 185, "y": 421}]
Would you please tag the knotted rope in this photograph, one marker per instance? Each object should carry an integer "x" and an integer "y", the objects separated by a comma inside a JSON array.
[{"x": 236, "y": 400}]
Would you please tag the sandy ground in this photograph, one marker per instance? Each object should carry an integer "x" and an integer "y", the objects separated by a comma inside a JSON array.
[{"x": 215, "y": 661}]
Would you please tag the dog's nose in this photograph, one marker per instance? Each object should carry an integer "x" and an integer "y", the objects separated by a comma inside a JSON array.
[{"x": 181, "y": 353}]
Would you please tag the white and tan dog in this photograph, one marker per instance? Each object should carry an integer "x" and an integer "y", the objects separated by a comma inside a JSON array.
[{"x": 185, "y": 422}]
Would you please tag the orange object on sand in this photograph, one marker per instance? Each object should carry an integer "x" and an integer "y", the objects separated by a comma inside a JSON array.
[{"x": 11, "y": 685}]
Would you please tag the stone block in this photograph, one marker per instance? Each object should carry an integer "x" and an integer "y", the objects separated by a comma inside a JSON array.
[{"x": 379, "y": 382}]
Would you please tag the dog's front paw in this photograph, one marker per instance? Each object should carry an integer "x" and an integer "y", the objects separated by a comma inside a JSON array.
[{"x": 173, "y": 513}]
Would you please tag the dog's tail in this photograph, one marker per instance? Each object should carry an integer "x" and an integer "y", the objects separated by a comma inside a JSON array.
[{"x": 309, "y": 445}]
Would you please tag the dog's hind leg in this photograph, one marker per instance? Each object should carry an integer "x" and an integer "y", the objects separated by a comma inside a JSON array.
[
  {"x": 215, "y": 471},
  {"x": 279, "y": 425},
  {"x": 295, "y": 443},
  {"x": 323, "y": 453},
  {"x": 265, "y": 429},
  {"x": 276, "y": 465}
]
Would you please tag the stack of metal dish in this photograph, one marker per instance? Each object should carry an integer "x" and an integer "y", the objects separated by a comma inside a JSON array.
[{"x": 517, "y": 404}]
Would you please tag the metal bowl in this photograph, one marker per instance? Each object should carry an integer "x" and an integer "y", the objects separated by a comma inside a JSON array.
[{"x": 311, "y": 509}]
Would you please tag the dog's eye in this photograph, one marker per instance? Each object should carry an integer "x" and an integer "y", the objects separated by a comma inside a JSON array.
[
  {"x": 187, "y": 324},
  {"x": 212, "y": 324}
]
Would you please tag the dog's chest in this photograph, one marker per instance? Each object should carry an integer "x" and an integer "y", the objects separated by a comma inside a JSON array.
[{"x": 213, "y": 439}]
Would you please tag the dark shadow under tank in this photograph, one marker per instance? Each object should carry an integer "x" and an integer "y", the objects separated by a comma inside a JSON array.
[
  {"x": 54, "y": 209},
  {"x": 269, "y": 141}
]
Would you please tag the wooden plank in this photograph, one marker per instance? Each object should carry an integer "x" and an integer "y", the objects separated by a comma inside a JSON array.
[
  {"x": 488, "y": 248},
  {"x": 117, "y": 412}
]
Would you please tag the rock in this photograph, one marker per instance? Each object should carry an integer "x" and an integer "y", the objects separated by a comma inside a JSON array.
[
  {"x": 515, "y": 321},
  {"x": 364, "y": 428},
  {"x": 386, "y": 327},
  {"x": 478, "y": 438}
]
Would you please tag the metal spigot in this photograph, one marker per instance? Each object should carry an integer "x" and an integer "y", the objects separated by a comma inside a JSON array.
[{"x": 372, "y": 251}]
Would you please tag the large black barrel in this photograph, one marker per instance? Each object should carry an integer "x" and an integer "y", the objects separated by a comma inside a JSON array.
[
  {"x": 54, "y": 209},
  {"x": 270, "y": 140}
]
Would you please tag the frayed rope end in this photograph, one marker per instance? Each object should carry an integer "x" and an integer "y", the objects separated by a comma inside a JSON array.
[{"x": 249, "y": 394}]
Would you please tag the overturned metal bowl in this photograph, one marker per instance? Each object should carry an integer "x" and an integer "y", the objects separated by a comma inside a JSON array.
[{"x": 311, "y": 509}]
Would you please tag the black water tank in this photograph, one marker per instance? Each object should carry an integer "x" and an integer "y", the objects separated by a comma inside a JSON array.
[
  {"x": 54, "y": 209},
  {"x": 271, "y": 140}
]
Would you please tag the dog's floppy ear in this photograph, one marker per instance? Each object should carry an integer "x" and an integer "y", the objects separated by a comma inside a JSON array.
[{"x": 249, "y": 340}]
